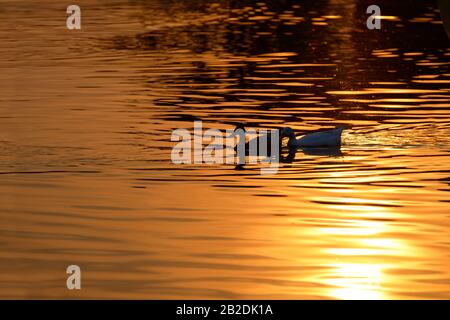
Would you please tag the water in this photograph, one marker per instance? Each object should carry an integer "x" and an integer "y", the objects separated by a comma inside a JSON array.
[{"x": 85, "y": 171}]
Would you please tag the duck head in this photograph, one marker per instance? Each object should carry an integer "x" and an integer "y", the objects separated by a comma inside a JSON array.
[
  {"x": 240, "y": 126},
  {"x": 287, "y": 132}
]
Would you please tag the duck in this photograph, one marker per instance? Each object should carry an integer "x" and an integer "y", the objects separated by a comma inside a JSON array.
[
  {"x": 320, "y": 139},
  {"x": 257, "y": 141}
]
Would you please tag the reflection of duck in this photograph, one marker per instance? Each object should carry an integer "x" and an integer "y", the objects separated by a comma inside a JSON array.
[
  {"x": 289, "y": 157},
  {"x": 328, "y": 152},
  {"x": 321, "y": 139}
]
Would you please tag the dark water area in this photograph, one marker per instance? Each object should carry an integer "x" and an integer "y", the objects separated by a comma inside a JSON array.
[{"x": 86, "y": 175}]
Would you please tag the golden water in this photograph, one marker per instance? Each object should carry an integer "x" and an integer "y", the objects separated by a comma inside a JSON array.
[{"x": 85, "y": 171}]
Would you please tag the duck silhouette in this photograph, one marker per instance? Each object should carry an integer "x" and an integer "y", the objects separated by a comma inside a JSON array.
[{"x": 321, "y": 139}]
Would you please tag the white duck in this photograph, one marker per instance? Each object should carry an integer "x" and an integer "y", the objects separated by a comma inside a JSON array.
[{"x": 321, "y": 139}]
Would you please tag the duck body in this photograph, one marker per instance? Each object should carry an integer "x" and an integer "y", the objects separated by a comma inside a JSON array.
[{"x": 321, "y": 139}]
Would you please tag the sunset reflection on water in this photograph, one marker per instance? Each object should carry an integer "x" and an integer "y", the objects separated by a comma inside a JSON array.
[{"x": 86, "y": 175}]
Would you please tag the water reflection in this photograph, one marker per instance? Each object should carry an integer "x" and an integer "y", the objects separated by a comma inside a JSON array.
[
  {"x": 85, "y": 167},
  {"x": 356, "y": 274}
]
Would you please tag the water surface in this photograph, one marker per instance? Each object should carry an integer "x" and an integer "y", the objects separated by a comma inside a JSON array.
[{"x": 85, "y": 171}]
